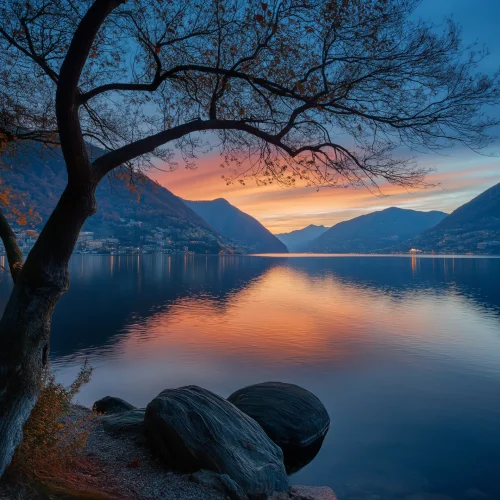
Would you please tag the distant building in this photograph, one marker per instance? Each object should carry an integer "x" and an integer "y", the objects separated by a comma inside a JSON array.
[
  {"x": 94, "y": 244},
  {"x": 485, "y": 244},
  {"x": 85, "y": 236}
]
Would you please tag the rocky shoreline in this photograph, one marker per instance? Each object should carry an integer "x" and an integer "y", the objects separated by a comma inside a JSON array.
[
  {"x": 218, "y": 452},
  {"x": 143, "y": 476}
]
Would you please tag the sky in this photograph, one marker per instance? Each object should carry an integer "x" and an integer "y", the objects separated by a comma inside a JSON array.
[{"x": 457, "y": 176}]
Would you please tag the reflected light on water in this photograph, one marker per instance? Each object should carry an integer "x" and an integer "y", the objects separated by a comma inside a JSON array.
[{"x": 286, "y": 316}]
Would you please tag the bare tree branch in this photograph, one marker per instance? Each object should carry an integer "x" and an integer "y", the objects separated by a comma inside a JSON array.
[
  {"x": 292, "y": 76},
  {"x": 70, "y": 131}
]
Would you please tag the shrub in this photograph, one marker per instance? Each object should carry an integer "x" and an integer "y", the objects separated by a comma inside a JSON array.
[{"x": 50, "y": 457}]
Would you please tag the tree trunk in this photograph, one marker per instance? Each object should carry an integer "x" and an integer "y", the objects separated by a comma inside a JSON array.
[
  {"x": 25, "y": 325},
  {"x": 14, "y": 254}
]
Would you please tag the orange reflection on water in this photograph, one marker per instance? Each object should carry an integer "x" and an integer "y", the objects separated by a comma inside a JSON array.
[
  {"x": 282, "y": 316},
  {"x": 413, "y": 264}
]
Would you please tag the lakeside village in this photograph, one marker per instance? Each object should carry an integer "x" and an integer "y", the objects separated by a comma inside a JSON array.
[
  {"x": 152, "y": 240},
  {"x": 461, "y": 241},
  {"x": 157, "y": 242},
  {"x": 179, "y": 239}
]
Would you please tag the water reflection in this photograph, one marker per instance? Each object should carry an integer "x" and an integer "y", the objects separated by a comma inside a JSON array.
[
  {"x": 114, "y": 292},
  {"x": 403, "y": 351}
]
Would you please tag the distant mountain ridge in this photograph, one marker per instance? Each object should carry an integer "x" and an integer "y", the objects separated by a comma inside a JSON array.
[
  {"x": 297, "y": 241},
  {"x": 474, "y": 226},
  {"x": 237, "y": 226},
  {"x": 212, "y": 226},
  {"x": 375, "y": 231}
]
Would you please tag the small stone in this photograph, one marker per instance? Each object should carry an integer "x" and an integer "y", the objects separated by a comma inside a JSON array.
[
  {"x": 312, "y": 493},
  {"x": 124, "y": 424},
  {"x": 109, "y": 404}
]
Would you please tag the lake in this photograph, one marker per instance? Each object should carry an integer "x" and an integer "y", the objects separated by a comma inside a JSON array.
[{"x": 403, "y": 351}]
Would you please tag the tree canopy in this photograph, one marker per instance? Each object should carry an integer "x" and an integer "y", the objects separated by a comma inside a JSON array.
[{"x": 330, "y": 92}]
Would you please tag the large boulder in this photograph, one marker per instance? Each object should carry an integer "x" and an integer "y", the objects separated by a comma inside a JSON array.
[
  {"x": 124, "y": 424},
  {"x": 191, "y": 429},
  {"x": 294, "y": 418},
  {"x": 110, "y": 404}
]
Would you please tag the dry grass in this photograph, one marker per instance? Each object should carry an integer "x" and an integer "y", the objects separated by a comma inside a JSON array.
[{"x": 51, "y": 458}]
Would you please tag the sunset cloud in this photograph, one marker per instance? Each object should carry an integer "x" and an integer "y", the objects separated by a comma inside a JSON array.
[{"x": 456, "y": 180}]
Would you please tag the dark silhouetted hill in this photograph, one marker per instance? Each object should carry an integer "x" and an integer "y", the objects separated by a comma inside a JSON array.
[
  {"x": 41, "y": 177},
  {"x": 239, "y": 227},
  {"x": 473, "y": 227},
  {"x": 375, "y": 232},
  {"x": 298, "y": 240}
]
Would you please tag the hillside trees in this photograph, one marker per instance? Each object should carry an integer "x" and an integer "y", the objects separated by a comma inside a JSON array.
[{"x": 322, "y": 92}]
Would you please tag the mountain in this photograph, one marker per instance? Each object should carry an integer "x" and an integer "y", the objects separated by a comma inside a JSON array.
[
  {"x": 374, "y": 232},
  {"x": 472, "y": 227},
  {"x": 150, "y": 215},
  {"x": 239, "y": 227},
  {"x": 297, "y": 240}
]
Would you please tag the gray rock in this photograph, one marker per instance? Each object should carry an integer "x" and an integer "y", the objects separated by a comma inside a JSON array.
[
  {"x": 125, "y": 424},
  {"x": 219, "y": 482},
  {"x": 191, "y": 429},
  {"x": 109, "y": 404},
  {"x": 294, "y": 418},
  {"x": 312, "y": 493}
]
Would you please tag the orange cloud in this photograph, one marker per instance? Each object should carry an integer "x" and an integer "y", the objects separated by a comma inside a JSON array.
[{"x": 285, "y": 209}]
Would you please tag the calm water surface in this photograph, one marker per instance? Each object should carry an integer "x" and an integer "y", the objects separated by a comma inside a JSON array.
[{"x": 404, "y": 352}]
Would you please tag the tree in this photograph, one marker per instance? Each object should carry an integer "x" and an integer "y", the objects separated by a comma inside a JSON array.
[{"x": 326, "y": 92}]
